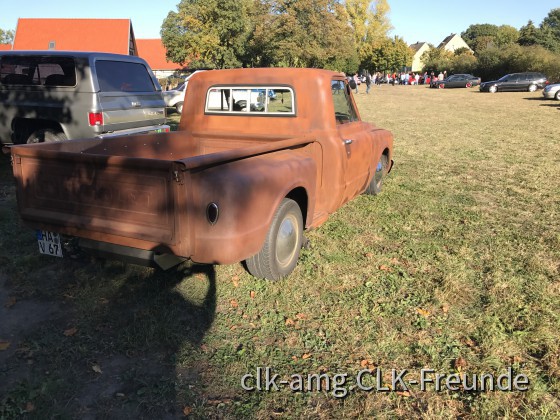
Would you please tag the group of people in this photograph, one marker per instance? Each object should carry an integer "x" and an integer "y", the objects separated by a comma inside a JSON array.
[{"x": 402, "y": 78}]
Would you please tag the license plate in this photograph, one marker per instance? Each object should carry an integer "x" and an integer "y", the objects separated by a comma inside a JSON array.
[{"x": 49, "y": 243}]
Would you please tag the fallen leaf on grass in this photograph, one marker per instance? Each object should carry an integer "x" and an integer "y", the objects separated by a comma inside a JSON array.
[
  {"x": 460, "y": 363},
  {"x": 404, "y": 394},
  {"x": 70, "y": 332},
  {"x": 423, "y": 312},
  {"x": 29, "y": 407},
  {"x": 252, "y": 294},
  {"x": 301, "y": 316},
  {"x": 367, "y": 364},
  {"x": 385, "y": 268},
  {"x": 235, "y": 280},
  {"x": 96, "y": 368},
  {"x": 4, "y": 345},
  {"x": 289, "y": 321},
  {"x": 187, "y": 410},
  {"x": 233, "y": 303},
  {"x": 445, "y": 308},
  {"x": 11, "y": 302},
  {"x": 306, "y": 356}
]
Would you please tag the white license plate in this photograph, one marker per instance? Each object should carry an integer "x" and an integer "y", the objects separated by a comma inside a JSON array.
[{"x": 49, "y": 243}]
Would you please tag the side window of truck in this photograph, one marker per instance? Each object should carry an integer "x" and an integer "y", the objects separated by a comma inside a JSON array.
[
  {"x": 122, "y": 76},
  {"x": 344, "y": 110},
  {"x": 38, "y": 70},
  {"x": 276, "y": 100}
]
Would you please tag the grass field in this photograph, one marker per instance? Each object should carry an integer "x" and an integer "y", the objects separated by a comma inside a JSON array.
[{"x": 455, "y": 267}]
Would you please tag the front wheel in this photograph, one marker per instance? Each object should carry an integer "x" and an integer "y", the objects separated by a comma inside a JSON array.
[
  {"x": 46, "y": 136},
  {"x": 280, "y": 252},
  {"x": 557, "y": 96},
  {"x": 493, "y": 89},
  {"x": 441, "y": 86},
  {"x": 468, "y": 85},
  {"x": 376, "y": 184}
]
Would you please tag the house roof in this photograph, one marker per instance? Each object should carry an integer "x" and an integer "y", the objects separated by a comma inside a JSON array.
[
  {"x": 153, "y": 51},
  {"x": 446, "y": 40},
  {"x": 417, "y": 46},
  {"x": 104, "y": 35},
  {"x": 5, "y": 47}
]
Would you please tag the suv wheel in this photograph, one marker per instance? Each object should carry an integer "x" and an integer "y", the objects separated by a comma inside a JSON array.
[
  {"x": 532, "y": 88},
  {"x": 46, "y": 136}
]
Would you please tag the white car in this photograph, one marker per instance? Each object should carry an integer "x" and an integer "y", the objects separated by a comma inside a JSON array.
[
  {"x": 552, "y": 92},
  {"x": 176, "y": 97}
]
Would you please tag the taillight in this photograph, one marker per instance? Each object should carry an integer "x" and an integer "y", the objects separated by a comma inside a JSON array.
[{"x": 95, "y": 118}]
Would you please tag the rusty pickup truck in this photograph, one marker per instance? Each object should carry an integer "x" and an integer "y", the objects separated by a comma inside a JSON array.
[{"x": 260, "y": 155}]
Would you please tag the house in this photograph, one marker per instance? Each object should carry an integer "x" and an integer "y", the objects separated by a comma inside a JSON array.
[
  {"x": 419, "y": 48},
  {"x": 100, "y": 35},
  {"x": 453, "y": 42},
  {"x": 153, "y": 51}
]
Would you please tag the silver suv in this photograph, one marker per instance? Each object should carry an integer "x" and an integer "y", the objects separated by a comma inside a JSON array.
[{"x": 57, "y": 95}]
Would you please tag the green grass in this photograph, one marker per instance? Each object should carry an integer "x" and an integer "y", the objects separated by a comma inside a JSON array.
[{"x": 454, "y": 267}]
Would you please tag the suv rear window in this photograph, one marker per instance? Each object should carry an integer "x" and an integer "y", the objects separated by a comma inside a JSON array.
[
  {"x": 37, "y": 70},
  {"x": 118, "y": 76}
]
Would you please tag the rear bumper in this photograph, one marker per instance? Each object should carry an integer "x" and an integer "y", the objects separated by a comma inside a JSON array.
[{"x": 140, "y": 130}]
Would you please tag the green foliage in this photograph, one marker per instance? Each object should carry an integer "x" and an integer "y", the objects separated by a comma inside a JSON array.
[
  {"x": 6, "y": 36},
  {"x": 388, "y": 55},
  {"x": 207, "y": 33}
]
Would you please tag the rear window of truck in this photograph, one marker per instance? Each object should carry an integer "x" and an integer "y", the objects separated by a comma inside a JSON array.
[
  {"x": 122, "y": 76},
  {"x": 37, "y": 70},
  {"x": 257, "y": 100}
]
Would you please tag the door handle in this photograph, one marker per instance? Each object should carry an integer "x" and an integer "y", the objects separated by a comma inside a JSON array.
[
  {"x": 136, "y": 104},
  {"x": 348, "y": 141}
]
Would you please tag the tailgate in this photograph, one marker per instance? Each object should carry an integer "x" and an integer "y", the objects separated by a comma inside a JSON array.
[{"x": 97, "y": 197}]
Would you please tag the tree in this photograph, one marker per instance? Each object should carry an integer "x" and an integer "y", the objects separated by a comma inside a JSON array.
[
  {"x": 389, "y": 55},
  {"x": 6, "y": 36},
  {"x": 506, "y": 35},
  {"x": 476, "y": 31},
  {"x": 528, "y": 34},
  {"x": 310, "y": 33},
  {"x": 209, "y": 33},
  {"x": 437, "y": 59}
]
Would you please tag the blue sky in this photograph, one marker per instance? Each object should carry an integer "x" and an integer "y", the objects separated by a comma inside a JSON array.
[{"x": 417, "y": 20}]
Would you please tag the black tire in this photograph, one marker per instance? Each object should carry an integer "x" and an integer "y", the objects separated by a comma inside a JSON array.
[
  {"x": 46, "y": 136},
  {"x": 376, "y": 184},
  {"x": 179, "y": 107},
  {"x": 280, "y": 252}
]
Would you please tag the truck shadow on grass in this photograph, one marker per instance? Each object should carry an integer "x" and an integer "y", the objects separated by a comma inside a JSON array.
[{"x": 119, "y": 344}]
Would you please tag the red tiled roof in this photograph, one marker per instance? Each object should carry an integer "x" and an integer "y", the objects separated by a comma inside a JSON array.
[
  {"x": 103, "y": 35},
  {"x": 153, "y": 51},
  {"x": 5, "y": 47}
]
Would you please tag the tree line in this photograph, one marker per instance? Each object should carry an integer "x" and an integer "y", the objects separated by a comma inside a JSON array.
[
  {"x": 498, "y": 50},
  {"x": 339, "y": 35}
]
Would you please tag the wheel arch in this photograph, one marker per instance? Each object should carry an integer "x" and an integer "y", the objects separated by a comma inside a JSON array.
[{"x": 22, "y": 128}]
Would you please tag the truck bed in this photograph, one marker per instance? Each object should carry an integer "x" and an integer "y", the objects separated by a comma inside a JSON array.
[{"x": 93, "y": 188}]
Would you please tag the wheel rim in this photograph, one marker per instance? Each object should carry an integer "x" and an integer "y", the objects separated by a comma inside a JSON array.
[
  {"x": 493, "y": 89},
  {"x": 378, "y": 177},
  {"x": 532, "y": 88},
  {"x": 441, "y": 86},
  {"x": 287, "y": 240},
  {"x": 468, "y": 85}
]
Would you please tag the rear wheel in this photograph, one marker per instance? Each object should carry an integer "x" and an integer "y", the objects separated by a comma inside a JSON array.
[
  {"x": 179, "y": 107},
  {"x": 46, "y": 136},
  {"x": 532, "y": 88},
  {"x": 376, "y": 184},
  {"x": 280, "y": 252}
]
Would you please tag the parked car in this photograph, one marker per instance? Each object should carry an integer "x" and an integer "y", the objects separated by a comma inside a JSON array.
[
  {"x": 529, "y": 82},
  {"x": 48, "y": 96},
  {"x": 175, "y": 98},
  {"x": 552, "y": 91},
  {"x": 456, "y": 81}
]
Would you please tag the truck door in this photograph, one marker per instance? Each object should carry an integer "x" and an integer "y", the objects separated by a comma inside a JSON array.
[{"x": 354, "y": 138}]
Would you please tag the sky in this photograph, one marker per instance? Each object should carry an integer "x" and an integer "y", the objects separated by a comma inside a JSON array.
[{"x": 412, "y": 20}]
